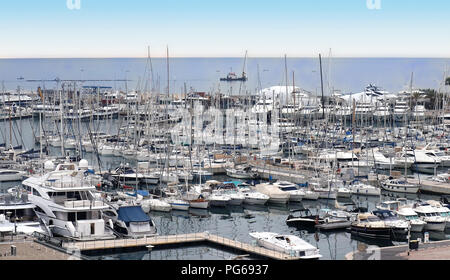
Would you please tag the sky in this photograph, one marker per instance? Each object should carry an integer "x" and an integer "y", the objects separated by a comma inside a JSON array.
[{"x": 213, "y": 28}]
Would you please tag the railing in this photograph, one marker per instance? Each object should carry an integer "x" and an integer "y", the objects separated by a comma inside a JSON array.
[
  {"x": 64, "y": 184},
  {"x": 83, "y": 204}
]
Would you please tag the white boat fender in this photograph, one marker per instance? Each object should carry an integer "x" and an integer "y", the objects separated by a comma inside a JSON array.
[{"x": 110, "y": 222}]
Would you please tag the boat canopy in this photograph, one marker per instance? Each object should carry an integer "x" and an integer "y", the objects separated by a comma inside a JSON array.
[{"x": 132, "y": 214}]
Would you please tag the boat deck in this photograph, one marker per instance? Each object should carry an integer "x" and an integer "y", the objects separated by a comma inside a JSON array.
[{"x": 179, "y": 240}]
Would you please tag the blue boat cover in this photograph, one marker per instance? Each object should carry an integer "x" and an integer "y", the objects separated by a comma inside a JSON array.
[
  {"x": 143, "y": 193},
  {"x": 132, "y": 214},
  {"x": 139, "y": 192}
]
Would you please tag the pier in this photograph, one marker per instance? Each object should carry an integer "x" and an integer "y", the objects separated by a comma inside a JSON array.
[
  {"x": 182, "y": 239},
  {"x": 268, "y": 171},
  {"x": 32, "y": 249},
  {"x": 437, "y": 250},
  {"x": 434, "y": 187}
]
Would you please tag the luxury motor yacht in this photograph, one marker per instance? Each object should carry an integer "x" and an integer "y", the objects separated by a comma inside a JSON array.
[
  {"x": 251, "y": 196},
  {"x": 401, "y": 109},
  {"x": 409, "y": 215},
  {"x": 66, "y": 204},
  {"x": 17, "y": 213},
  {"x": 288, "y": 244},
  {"x": 430, "y": 215}
]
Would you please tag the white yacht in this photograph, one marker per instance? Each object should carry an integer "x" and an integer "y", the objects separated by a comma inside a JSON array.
[
  {"x": 428, "y": 214},
  {"x": 382, "y": 111},
  {"x": 295, "y": 195},
  {"x": 358, "y": 188},
  {"x": 65, "y": 203},
  {"x": 396, "y": 162},
  {"x": 409, "y": 215},
  {"x": 7, "y": 175},
  {"x": 253, "y": 197},
  {"x": 153, "y": 204},
  {"x": 218, "y": 199},
  {"x": 442, "y": 210},
  {"x": 275, "y": 194},
  {"x": 243, "y": 173},
  {"x": 17, "y": 213},
  {"x": 439, "y": 156},
  {"x": 344, "y": 192},
  {"x": 263, "y": 106},
  {"x": 419, "y": 112},
  {"x": 288, "y": 244},
  {"x": 401, "y": 110},
  {"x": 424, "y": 160}
]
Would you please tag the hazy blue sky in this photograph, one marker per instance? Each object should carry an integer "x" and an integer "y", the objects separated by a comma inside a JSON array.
[{"x": 204, "y": 28}]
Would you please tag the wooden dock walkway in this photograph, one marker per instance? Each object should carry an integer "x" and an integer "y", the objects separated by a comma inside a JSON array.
[
  {"x": 181, "y": 239},
  {"x": 431, "y": 186}
]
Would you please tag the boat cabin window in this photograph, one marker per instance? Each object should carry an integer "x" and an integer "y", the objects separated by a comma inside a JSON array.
[
  {"x": 27, "y": 188},
  {"x": 288, "y": 188},
  {"x": 67, "y": 167},
  {"x": 36, "y": 193},
  {"x": 410, "y": 218}
]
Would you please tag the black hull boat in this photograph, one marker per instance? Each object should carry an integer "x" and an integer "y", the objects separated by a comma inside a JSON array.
[
  {"x": 370, "y": 226},
  {"x": 304, "y": 221},
  {"x": 369, "y": 232}
]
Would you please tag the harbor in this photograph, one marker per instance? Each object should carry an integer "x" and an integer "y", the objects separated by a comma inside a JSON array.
[{"x": 147, "y": 174}]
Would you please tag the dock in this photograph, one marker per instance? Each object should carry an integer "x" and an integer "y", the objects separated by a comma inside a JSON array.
[
  {"x": 31, "y": 249},
  {"x": 429, "y": 186},
  {"x": 268, "y": 171},
  {"x": 436, "y": 250},
  {"x": 182, "y": 239}
]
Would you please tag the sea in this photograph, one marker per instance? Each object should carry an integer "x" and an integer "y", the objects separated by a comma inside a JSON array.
[
  {"x": 349, "y": 75},
  {"x": 202, "y": 75}
]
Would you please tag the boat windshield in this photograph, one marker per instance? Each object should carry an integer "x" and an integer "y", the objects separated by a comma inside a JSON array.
[
  {"x": 288, "y": 188},
  {"x": 373, "y": 219}
]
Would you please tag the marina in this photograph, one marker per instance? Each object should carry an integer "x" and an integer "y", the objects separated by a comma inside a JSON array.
[{"x": 130, "y": 185}]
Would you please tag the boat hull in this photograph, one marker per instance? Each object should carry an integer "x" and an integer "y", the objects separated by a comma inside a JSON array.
[{"x": 371, "y": 232}]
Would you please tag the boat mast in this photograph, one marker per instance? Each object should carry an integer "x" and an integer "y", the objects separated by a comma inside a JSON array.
[
  {"x": 321, "y": 85},
  {"x": 61, "y": 116}
]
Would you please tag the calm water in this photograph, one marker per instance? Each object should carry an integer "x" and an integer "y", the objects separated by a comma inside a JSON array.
[
  {"x": 202, "y": 74},
  {"x": 235, "y": 223}
]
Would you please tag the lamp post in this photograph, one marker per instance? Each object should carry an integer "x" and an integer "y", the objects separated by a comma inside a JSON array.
[{"x": 149, "y": 248}]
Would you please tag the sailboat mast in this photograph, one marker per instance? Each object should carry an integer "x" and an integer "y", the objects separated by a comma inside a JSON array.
[{"x": 321, "y": 86}]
